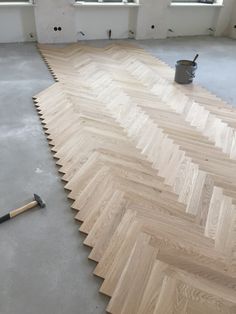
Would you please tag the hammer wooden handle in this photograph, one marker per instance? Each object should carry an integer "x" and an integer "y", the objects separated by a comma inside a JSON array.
[
  {"x": 22, "y": 209},
  {"x": 15, "y": 212}
]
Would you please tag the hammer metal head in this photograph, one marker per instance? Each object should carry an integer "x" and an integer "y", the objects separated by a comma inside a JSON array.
[{"x": 39, "y": 201}]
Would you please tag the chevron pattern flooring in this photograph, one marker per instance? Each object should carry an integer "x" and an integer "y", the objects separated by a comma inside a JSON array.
[{"x": 150, "y": 167}]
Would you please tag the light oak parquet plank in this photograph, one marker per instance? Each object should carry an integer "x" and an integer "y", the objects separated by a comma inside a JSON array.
[{"x": 149, "y": 166}]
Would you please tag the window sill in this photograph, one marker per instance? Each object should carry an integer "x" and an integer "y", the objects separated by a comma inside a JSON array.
[
  {"x": 184, "y": 4},
  {"x": 99, "y": 4},
  {"x": 16, "y": 4}
]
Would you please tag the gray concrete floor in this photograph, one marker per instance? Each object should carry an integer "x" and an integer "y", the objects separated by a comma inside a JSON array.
[
  {"x": 44, "y": 267},
  {"x": 216, "y": 63}
]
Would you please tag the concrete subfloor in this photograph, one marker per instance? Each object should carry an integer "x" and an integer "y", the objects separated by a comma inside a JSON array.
[
  {"x": 44, "y": 267},
  {"x": 216, "y": 63}
]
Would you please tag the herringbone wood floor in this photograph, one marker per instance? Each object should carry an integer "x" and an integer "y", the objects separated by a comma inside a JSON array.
[{"x": 151, "y": 168}]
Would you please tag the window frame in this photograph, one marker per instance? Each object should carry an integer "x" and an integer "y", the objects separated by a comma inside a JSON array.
[
  {"x": 107, "y": 2},
  {"x": 195, "y": 3},
  {"x": 17, "y": 3},
  {"x": 190, "y": 1},
  {"x": 110, "y": 1}
]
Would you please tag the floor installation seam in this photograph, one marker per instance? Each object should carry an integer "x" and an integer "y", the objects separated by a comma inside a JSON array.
[{"x": 125, "y": 205}]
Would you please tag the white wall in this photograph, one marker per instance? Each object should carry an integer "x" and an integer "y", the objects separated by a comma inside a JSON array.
[
  {"x": 184, "y": 21},
  {"x": 232, "y": 28},
  {"x": 51, "y": 13},
  {"x": 95, "y": 22},
  {"x": 152, "y": 12},
  {"x": 223, "y": 21},
  {"x": 17, "y": 24},
  {"x": 191, "y": 21}
]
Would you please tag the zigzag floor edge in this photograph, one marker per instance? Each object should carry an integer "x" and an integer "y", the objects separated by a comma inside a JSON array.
[{"x": 160, "y": 219}]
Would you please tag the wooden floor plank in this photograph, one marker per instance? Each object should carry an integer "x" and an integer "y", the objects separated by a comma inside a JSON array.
[{"x": 150, "y": 166}]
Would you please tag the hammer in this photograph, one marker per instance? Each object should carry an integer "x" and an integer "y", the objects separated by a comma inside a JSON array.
[{"x": 37, "y": 202}]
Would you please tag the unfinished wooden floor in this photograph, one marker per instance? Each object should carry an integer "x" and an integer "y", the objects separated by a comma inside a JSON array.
[{"x": 151, "y": 167}]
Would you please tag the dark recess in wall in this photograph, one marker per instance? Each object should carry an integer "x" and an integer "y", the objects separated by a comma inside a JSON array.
[{"x": 57, "y": 28}]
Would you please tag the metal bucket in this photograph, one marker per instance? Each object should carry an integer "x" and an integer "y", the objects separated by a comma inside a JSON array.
[{"x": 185, "y": 71}]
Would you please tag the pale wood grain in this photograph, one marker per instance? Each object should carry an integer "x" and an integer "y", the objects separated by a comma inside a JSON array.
[{"x": 150, "y": 167}]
